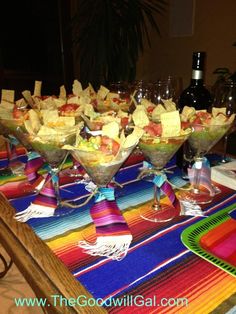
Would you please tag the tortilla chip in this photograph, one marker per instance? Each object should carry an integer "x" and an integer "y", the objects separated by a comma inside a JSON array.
[
  {"x": 146, "y": 103},
  {"x": 49, "y": 115},
  {"x": 7, "y": 105},
  {"x": 171, "y": 124},
  {"x": 216, "y": 111},
  {"x": 111, "y": 95},
  {"x": 102, "y": 92},
  {"x": 133, "y": 138},
  {"x": 28, "y": 127},
  {"x": 220, "y": 119},
  {"x": 169, "y": 104},
  {"x": 62, "y": 94},
  {"x": 89, "y": 111},
  {"x": 27, "y": 95},
  {"x": 73, "y": 100},
  {"x": 187, "y": 113},
  {"x": 140, "y": 117},
  {"x": 8, "y": 95},
  {"x": 76, "y": 88},
  {"x": 21, "y": 103},
  {"x": 84, "y": 100},
  {"x": 34, "y": 119},
  {"x": 159, "y": 109},
  {"x": 111, "y": 130},
  {"x": 37, "y": 88}
]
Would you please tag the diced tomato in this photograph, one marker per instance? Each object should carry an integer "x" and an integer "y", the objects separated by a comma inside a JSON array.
[
  {"x": 150, "y": 109},
  {"x": 106, "y": 140},
  {"x": 149, "y": 130},
  {"x": 104, "y": 148},
  {"x": 153, "y": 129},
  {"x": 68, "y": 108},
  {"x": 204, "y": 116},
  {"x": 115, "y": 147},
  {"x": 116, "y": 100},
  {"x": 197, "y": 120},
  {"x": 17, "y": 113},
  {"x": 185, "y": 125},
  {"x": 157, "y": 128},
  {"x": 124, "y": 122}
]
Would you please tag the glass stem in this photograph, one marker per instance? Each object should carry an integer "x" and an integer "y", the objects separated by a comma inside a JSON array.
[
  {"x": 197, "y": 172},
  {"x": 224, "y": 157},
  {"x": 156, "y": 203},
  {"x": 55, "y": 182}
]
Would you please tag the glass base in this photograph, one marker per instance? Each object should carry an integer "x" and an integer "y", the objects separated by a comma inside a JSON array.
[
  {"x": 160, "y": 213},
  {"x": 195, "y": 197},
  {"x": 216, "y": 189}
]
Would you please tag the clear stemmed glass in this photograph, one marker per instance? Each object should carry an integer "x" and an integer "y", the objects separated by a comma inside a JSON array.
[
  {"x": 8, "y": 131},
  {"x": 229, "y": 103},
  {"x": 167, "y": 88},
  {"x": 158, "y": 153},
  {"x": 202, "y": 139},
  {"x": 15, "y": 128},
  {"x": 101, "y": 164},
  {"x": 50, "y": 148},
  {"x": 143, "y": 90}
]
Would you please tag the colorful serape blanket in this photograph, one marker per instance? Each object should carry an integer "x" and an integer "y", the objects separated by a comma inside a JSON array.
[{"x": 159, "y": 274}]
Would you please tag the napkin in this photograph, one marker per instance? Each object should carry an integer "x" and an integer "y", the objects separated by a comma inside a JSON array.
[
  {"x": 33, "y": 164},
  {"x": 225, "y": 174},
  {"x": 112, "y": 232},
  {"x": 43, "y": 205}
]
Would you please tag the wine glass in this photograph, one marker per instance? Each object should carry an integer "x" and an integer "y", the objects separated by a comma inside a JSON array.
[
  {"x": 158, "y": 151},
  {"x": 143, "y": 90},
  {"x": 167, "y": 88},
  {"x": 202, "y": 139},
  {"x": 228, "y": 101}
]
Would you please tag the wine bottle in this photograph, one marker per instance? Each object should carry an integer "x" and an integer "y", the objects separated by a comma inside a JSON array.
[{"x": 195, "y": 95}]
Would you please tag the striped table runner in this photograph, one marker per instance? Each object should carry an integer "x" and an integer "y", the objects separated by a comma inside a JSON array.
[{"x": 158, "y": 275}]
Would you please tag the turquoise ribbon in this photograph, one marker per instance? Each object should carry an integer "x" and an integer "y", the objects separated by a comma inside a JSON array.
[
  {"x": 13, "y": 140},
  {"x": 105, "y": 193},
  {"x": 158, "y": 179},
  {"x": 54, "y": 177},
  {"x": 32, "y": 155}
]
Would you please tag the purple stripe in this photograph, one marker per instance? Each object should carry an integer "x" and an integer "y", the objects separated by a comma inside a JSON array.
[
  {"x": 112, "y": 229},
  {"x": 109, "y": 219}
]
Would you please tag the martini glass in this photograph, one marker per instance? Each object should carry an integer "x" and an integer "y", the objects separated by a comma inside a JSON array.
[
  {"x": 49, "y": 146},
  {"x": 101, "y": 166},
  {"x": 8, "y": 131},
  {"x": 202, "y": 139},
  {"x": 15, "y": 127},
  {"x": 158, "y": 151}
]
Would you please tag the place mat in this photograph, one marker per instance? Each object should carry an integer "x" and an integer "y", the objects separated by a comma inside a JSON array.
[{"x": 213, "y": 239}]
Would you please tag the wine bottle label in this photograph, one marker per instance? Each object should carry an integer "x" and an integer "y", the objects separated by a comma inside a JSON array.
[{"x": 197, "y": 75}]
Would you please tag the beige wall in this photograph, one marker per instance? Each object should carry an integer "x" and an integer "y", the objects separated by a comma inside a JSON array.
[{"x": 214, "y": 32}]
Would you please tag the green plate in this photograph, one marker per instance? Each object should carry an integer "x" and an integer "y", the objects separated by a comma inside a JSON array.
[{"x": 191, "y": 238}]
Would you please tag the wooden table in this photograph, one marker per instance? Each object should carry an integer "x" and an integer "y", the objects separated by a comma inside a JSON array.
[{"x": 45, "y": 273}]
